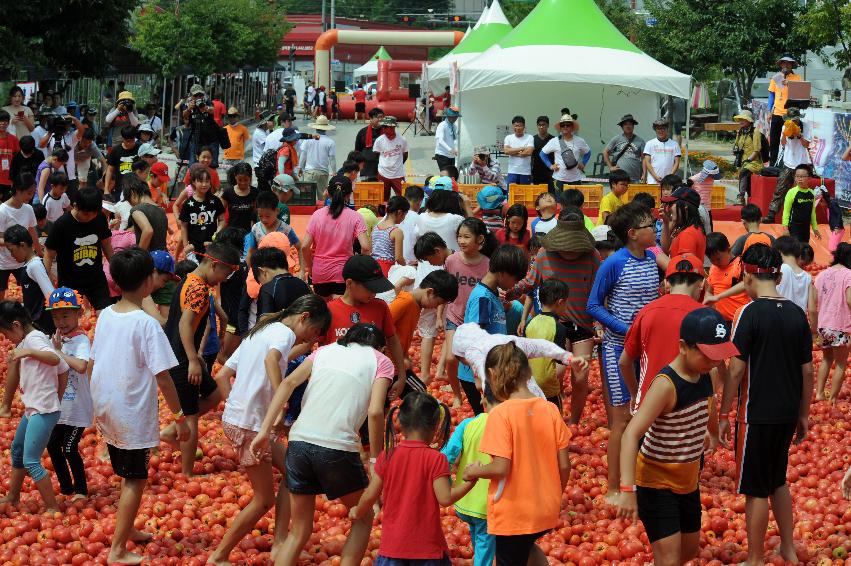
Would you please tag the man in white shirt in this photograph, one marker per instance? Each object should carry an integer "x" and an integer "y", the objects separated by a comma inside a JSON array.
[
  {"x": 569, "y": 151},
  {"x": 519, "y": 147},
  {"x": 258, "y": 141},
  {"x": 392, "y": 150},
  {"x": 446, "y": 139},
  {"x": 70, "y": 139},
  {"x": 661, "y": 154},
  {"x": 318, "y": 156}
]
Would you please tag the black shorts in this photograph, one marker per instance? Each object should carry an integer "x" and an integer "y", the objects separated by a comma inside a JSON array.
[
  {"x": 96, "y": 291},
  {"x": 313, "y": 469},
  {"x": 129, "y": 464},
  {"x": 4, "y": 277},
  {"x": 576, "y": 333},
  {"x": 664, "y": 512},
  {"x": 514, "y": 549},
  {"x": 474, "y": 396},
  {"x": 189, "y": 394},
  {"x": 328, "y": 289},
  {"x": 360, "y": 106},
  {"x": 762, "y": 455}
]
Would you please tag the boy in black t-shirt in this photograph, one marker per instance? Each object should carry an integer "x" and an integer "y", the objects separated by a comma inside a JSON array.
[
  {"x": 774, "y": 377},
  {"x": 79, "y": 242},
  {"x": 27, "y": 160},
  {"x": 120, "y": 161},
  {"x": 202, "y": 215}
]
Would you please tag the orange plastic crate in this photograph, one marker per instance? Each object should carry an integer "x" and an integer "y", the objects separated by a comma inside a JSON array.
[
  {"x": 593, "y": 195},
  {"x": 470, "y": 189},
  {"x": 635, "y": 188},
  {"x": 369, "y": 193},
  {"x": 718, "y": 199},
  {"x": 525, "y": 194}
]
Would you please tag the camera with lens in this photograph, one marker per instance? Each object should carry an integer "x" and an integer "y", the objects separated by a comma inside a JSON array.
[
  {"x": 127, "y": 105},
  {"x": 58, "y": 125},
  {"x": 738, "y": 153}
]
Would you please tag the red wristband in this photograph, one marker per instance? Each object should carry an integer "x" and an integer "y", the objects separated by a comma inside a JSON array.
[{"x": 627, "y": 489}]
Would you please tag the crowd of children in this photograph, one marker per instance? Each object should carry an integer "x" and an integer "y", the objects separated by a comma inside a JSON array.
[{"x": 523, "y": 307}]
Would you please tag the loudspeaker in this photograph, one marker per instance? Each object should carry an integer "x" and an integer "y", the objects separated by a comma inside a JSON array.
[{"x": 413, "y": 91}]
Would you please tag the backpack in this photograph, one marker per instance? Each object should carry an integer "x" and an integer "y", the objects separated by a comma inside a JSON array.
[
  {"x": 267, "y": 166},
  {"x": 567, "y": 155}
]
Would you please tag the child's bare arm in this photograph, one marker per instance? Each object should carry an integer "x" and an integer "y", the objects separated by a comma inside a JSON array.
[
  {"x": 13, "y": 377},
  {"x": 62, "y": 384},
  {"x": 447, "y": 495},
  {"x": 398, "y": 242},
  {"x": 369, "y": 497}
]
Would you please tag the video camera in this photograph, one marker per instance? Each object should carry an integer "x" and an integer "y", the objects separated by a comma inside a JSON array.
[{"x": 126, "y": 105}]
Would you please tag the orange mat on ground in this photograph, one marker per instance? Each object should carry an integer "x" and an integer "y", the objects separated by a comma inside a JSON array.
[{"x": 732, "y": 229}]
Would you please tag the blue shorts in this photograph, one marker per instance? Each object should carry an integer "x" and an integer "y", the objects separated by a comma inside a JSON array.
[
  {"x": 384, "y": 561},
  {"x": 451, "y": 325},
  {"x": 612, "y": 377},
  {"x": 517, "y": 179}
]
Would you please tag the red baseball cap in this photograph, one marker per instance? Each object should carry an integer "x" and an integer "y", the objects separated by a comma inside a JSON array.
[
  {"x": 693, "y": 264},
  {"x": 160, "y": 170}
]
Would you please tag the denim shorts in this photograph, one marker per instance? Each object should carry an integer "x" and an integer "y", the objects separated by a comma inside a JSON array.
[
  {"x": 314, "y": 469},
  {"x": 451, "y": 326}
]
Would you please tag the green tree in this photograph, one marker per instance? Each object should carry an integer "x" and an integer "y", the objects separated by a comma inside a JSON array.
[
  {"x": 741, "y": 38},
  {"x": 209, "y": 35},
  {"x": 71, "y": 36},
  {"x": 827, "y": 23}
]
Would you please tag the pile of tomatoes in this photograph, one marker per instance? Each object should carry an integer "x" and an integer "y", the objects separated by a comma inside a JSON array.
[{"x": 189, "y": 516}]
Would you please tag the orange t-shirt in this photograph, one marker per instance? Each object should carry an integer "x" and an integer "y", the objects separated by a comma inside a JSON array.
[
  {"x": 215, "y": 183},
  {"x": 157, "y": 189},
  {"x": 529, "y": 432},
  {"x": 406, "y": 315},
  {"x": 721, "y": 279}
]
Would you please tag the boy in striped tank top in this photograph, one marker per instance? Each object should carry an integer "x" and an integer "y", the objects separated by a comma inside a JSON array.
[
  {"x": 662, "y": 448},
  {"x": 624, "y": 284}
]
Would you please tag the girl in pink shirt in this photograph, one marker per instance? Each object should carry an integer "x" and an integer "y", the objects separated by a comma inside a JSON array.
[
  {"x": 328, "y": 243},
  {"x": 833, "y": 291},
  {"x": 469, "y": 264},
  {"x": 42, "y": 375}
]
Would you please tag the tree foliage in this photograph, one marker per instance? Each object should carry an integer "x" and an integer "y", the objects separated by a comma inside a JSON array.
[
  {"x": 372, "y": 10},
  {"x": 61, "y": 35},
  {"x": 206, "y": 36},
  {"x": 741, "y": 38},
  {"x": 827, "y": 24}
]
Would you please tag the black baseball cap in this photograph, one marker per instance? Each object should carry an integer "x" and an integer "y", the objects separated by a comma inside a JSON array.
[
  {"x": 685, "y": 194},
  {"x": 365, "y": 270},
  {"x": 706, "y": 329},
  {"x": 339, "y": 182}
]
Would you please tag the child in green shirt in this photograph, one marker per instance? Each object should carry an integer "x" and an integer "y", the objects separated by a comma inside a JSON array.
[{"x": 799, "y": 207}]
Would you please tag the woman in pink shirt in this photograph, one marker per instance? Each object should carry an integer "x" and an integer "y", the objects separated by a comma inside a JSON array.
[
  {"x": 833, "y": 289},
  {"x": 331, "y": 232}
]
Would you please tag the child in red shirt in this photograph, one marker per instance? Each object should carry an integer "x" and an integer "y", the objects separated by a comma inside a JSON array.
[{"x": 411, "y": 528}]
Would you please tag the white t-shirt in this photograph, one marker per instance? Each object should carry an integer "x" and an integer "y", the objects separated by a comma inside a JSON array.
[
  {"x": 77, "y": 409},
  {"x": 252, "y": 391},
  {"x": 39, "y": 382},
  {"x": 543, "y": 226},
  {"x": 272, "y": 141},
  {"x": 56, "y": 207},
  {"x": 579, "y": 147},
  {"x": 519, "y": 165},
  {"x": 10, "y": 216},
  {"x": 795, "y": 286},
  {"x": 37, "y": 272},
  {"x": 391, "y": 158},
  {"x": 258, "y": 141},
  {"x": 395, "y": 274},
  {"x": 129, "y": 350},
  {"x": 794, "y": 153},
  {"x": 337, "y": 397},
  {"x": 446, "y": 226},
  {"x": 662, "y": 155},
  {"x": 122, "y": 209},
  {"x": 409, "y": 229}
]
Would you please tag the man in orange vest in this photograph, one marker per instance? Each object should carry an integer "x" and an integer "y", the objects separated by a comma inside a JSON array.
[{"x": 778, "y": 94}]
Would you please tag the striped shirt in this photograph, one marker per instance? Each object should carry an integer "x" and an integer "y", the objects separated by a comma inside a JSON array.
[
  {"x": 578, "y": 273},
  {"x": 624, "y": 284},
  {"x": 669, "y": 457}
]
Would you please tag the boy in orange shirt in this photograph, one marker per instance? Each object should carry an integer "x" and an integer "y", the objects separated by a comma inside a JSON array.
[{"x": 437, "y": 288}]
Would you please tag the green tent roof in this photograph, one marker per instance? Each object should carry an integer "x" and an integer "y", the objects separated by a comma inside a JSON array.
[
  {"x": 492, "y": 27},
  {"x": 381, "y": 55},
  {"x": 567, "y": 22}
]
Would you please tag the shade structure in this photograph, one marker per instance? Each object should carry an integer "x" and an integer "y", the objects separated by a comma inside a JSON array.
[
  {"x": 565, "y": 53},
  {"x": 491, "y": 27},
  {"x": 370, "y": 68}
]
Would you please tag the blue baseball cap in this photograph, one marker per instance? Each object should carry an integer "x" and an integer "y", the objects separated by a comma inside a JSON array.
[
  {"x": 63, "y": 298},
  {"x": 490, "y": 197},
  {"x": 442, "y": 184},
  {"x": 163, "y": 262}
]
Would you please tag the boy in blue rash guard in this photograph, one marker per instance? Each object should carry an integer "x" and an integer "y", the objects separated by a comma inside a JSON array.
[{"x": 625, "y": 282}]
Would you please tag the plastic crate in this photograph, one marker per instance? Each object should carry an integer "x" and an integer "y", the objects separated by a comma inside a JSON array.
[
  {"x": 525, "y": 194},
  {"x": 369, "y": 193},
  {"x": 593, "y": 195},
  {"x": 307, "y": 195},
  {"x": 635, "y": 188},
  {"x": 718, "y": 198},
  {"x": 470, "y": 189}
]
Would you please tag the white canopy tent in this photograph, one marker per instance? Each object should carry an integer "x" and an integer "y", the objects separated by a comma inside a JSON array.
[
  {"x": 490, "y": 28},
  {"x": 544, "y": 65}
]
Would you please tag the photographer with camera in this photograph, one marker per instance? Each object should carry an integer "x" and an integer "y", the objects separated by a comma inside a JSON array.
[
  {"x": 778, "y": 94},
  {"x": 747, "y": 150},
  {"x": 204, "y": 132},
  {"x": 124, "y": 114},
  {"x": 61, "y": 135}
]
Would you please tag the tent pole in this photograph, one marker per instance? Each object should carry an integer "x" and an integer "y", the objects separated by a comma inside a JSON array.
[{"x": 688, "y": 130}]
